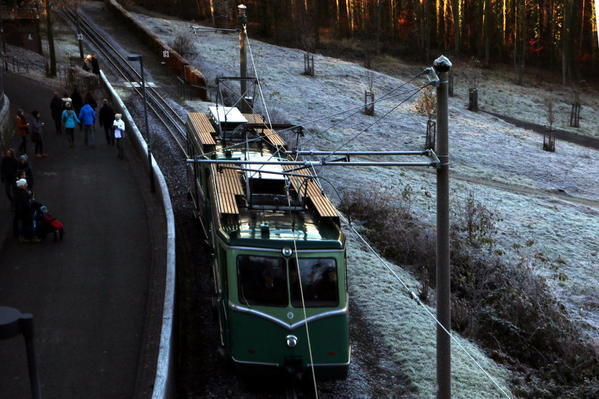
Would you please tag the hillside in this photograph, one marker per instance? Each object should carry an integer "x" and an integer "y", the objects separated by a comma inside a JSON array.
[{"x": 550, "y": 198}]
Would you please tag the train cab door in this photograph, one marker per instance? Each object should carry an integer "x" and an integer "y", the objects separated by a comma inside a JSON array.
[{"x": 221, "y": 293}]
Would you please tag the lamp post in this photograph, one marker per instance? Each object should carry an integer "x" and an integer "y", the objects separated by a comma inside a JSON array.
[
  {"x": 13, "y": 323},
  {"x": 79, "y": 34},
  {"x": 137, "y": 57},
  {"x": 243, "y": 69}
]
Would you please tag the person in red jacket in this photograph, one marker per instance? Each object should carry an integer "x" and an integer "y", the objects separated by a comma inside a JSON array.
[{"x": 22, "y": 130}]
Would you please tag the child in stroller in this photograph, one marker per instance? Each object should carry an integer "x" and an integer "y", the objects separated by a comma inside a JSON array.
[{"x": 44, "y": 223}]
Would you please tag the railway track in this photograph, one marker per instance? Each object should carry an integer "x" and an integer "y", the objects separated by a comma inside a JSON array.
[{"x": 157, "y": 104}]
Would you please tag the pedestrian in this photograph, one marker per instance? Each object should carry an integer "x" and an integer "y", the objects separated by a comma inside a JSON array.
[
  {"x": 37, "y": 136},
  {"x": 22, "y": 130},
  {"x": 87, "y": 116},
  {"x": 106, "y": 119},
  {"x": 56, "y": 108},
  {"x": 23, "y": 222},
  {"x": 89, "y": 99},
  {"x": 24, "y": 170},
  {"x": 95, "y": 64},
  {"x": 70, "y": 120},
  {"x": 119, "y": 132},
  {"x": 77, "y": 101},
  {"x": 8, "y": 173},
  {"x": 86, "y": 66}
]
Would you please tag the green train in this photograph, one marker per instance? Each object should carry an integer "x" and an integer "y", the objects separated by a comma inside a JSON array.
[{"x": 280, "y": 272}]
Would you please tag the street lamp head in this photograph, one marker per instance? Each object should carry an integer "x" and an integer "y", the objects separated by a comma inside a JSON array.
[
  {"x": 442, "y": 64},
  {"x": 134, "y": 57}
]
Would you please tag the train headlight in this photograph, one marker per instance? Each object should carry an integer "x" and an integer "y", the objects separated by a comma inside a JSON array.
[
  {"x": 291, "y": 341},
  {"x": 286, "y": 252}
]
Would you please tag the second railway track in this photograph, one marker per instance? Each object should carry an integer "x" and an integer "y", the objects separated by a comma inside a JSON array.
[{"x": 157, "y": 104}]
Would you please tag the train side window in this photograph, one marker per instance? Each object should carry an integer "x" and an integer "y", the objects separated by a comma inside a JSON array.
[
  {"x": 262, "y": 281},
  {"x": 319, "y": 282}
]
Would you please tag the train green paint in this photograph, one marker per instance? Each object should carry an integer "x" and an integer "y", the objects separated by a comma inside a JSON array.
[{"x": 261, "y": 253}]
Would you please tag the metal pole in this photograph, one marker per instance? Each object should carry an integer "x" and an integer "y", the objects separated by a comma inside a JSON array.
[
  {"x": 243, "y": 69},
  {"x": 79, "y": 35},
  {"x": 50, "y": 34},
  {"x": 143, "y": 86},
  {"x": 3, "y": 44},
  {"x": 26, "y": 323},
  {"x": 442, "y": 66}
]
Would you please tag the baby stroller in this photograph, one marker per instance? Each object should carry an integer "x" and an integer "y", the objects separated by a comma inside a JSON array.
[{"x": 44, "y": 223}]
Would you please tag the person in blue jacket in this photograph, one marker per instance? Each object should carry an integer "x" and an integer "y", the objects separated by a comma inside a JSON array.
[
  {"x": 87, "y": 116},
  {"x": 70, "y": 120}
]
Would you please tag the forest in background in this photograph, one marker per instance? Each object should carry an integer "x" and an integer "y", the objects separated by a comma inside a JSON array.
[{"x": 561, "y": 34}]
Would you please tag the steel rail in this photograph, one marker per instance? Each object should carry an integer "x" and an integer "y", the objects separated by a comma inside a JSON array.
[
  {"x": 157, "y": 104},
  {"x": 137, "y": 76},
  {"x": 390, "y": 153},
  {"x": 310, "y": 163}
]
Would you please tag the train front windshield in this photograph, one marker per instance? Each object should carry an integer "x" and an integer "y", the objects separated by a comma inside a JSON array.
[
  {"x": 263, "y": 281},
  {"x": 319, "y": 282}
]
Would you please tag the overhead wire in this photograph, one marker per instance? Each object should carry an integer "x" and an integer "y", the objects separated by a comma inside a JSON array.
[
  {"x": 412, "y": 294},
  {"x": 299, "y": 281},
  {"x": 384, "y": 263},
  {"x": 427, "y": 310},
  {"x": 358, "y": 134},
  {"x": 231, "y": 146},
  {"x": 299, "y": 275}
]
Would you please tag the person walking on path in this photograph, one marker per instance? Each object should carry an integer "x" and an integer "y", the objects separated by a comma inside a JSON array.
[
  {"x": 70, "y": 120},
  {"x": 119, "y": 133},
  {"x": 37, "y": 129},
  {"x": 76, "y": 100},
  {"x": 22, "y": 130},
  {"x": 9, "y": 173},
  {"x": 87, "y": 116},
  {"x": 106, "y": 119},
  {"x": 95, "y": 64},
  {"x": 24, "y": 170},
  {"x": 23, "y": 222},
  {"x": 56, "y": 108}
]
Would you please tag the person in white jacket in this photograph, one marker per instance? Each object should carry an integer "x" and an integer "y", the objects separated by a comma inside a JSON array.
[{"x": 118, "y": 127}]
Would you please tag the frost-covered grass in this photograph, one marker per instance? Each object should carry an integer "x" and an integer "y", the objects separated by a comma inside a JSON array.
[
  {"x": 409, "y": 332},
  {"x": 551, "y": 198},
  {"x": 527, "y": 102}
]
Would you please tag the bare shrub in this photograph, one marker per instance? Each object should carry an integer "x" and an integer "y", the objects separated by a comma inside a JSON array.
[
  {"x": 183, "y": 44},
  {"x": 477, "y": 221},
  {"x": 426, "y": 104},
  {"x": 550, "y": 109},
  {"x": 506, "y": 308}
]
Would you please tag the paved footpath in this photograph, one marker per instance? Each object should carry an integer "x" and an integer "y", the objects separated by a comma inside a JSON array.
[{"x": 87, "y": 293}]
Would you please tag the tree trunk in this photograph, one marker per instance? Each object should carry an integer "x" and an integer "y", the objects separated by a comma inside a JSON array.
[
  {"x": 50, "y": 34},
  {"x": 456, "y": 25},
  {"x": 487, "y": 30},
  {"x": 567, "y": 43}
]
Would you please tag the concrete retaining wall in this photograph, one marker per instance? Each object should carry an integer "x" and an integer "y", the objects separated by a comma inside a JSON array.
[
  {"x": 163, "y": 381},
  {"x": 6, "y": 131},
  {"x": 179, "y": 64}
]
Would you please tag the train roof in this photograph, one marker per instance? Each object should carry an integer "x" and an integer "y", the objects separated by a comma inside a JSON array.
[{"x": 264, "y": 205}]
